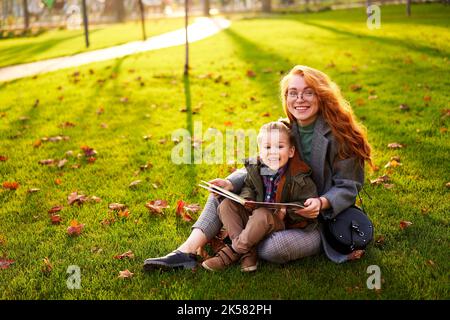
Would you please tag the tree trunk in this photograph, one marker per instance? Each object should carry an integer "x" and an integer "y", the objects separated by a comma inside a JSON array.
[
  {"x": 117, "y": 8},
  {"x": 408, "y": 8},
  {"x": 206, "y": 7},
  {"x": 266, "y": 5},
  {"x": 26, "y": 15},
  {"x": 368, "y": 4}
]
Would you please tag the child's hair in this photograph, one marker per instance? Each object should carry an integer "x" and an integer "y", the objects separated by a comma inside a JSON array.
[{"x": 276, "y": 125}]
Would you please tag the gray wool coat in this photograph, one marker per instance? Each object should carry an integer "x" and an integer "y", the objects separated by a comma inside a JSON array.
[{"x": 338, "y": 180}]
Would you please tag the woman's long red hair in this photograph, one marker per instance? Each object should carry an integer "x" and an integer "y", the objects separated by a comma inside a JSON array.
[{"x": 336, "y": 111}]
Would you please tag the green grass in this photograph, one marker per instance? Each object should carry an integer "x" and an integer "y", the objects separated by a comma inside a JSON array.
[
  {"x": 57, "y": 43},
  {"x": 403, "y": 62}
]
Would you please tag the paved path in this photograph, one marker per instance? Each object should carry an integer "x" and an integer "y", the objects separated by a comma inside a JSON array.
[{"x": 200, "y": 29}]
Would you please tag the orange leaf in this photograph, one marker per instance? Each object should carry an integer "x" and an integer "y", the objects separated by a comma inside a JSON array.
[
  {"x": 75, "y": 228},
  {"x": 3, "y": 158},
  {"x": 10, "y": 185}
]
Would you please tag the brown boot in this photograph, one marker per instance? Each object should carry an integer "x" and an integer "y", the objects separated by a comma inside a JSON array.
[
  {"x": 249, "y": 261},
  {"x": 225, "y": 257}
]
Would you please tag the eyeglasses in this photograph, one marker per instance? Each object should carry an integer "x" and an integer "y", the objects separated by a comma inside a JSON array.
[{"x": 305, "y": 95}]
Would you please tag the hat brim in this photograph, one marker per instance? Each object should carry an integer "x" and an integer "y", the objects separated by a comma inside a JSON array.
[{"x": 332, "y": 254}]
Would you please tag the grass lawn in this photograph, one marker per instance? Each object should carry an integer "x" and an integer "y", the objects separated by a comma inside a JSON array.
[
  {"x": 57, "y": 43},
  {"x": 114, "y": 104}
]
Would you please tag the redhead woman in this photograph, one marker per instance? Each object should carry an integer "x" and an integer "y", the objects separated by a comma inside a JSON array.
[{"x": 335, "y": 147}]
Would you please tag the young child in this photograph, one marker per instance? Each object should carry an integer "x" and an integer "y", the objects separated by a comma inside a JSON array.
[{"x": 277, "y": 175}]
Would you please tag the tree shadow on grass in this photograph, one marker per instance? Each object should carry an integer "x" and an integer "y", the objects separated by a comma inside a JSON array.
[
  {"x": 260, "y": 59},
  {"x": 410, "y": 47},
  {"x": 25, "y": 51}
]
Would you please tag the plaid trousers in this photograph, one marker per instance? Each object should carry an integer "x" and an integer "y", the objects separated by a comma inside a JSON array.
[{"x": 279, "y": 247}]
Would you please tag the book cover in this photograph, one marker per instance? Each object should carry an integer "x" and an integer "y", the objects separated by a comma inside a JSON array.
[{"x": 232, "y": 196}]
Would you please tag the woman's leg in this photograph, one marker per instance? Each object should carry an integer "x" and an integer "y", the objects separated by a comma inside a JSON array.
[
  {"x": 204, "y": 229},
  {"x": 288, "y": 245}
]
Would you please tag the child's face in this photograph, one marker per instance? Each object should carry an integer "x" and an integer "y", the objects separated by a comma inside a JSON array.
[{"x": 275, "y": 149}]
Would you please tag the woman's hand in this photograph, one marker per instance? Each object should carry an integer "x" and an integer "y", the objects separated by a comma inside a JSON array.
[{"x": 313, "y": 206}]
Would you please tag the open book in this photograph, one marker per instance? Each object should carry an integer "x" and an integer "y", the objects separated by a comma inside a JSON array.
[{"x": 232, "y": 196}]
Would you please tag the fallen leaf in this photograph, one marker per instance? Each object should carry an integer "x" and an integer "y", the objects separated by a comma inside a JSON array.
[
  {"x": 32, "y": 190},
  {"x": 95, "y": 198},
  {"x": 228, "y": 123},
  {"x": 96, "y": 250},
  {"x": 430, "y": 262},
  {"x": 447, "y": 185},
  {"x": 393, "y": 164},
  {"x": 427, "y": 98},
  {"x": 3, "y": 158},
  {"x": 55, "y": 219},
  {"x": 47, "y": 267},
  {"x": 125, "y": 274},
  {"x": 134, "y": 183},
  {"x": 443, "y": 130},
  {"x": 379, "y": 241},
  {"x": 395, "y": 145},
  {"x": 355, "y": 87},
  {"x": 11, "y": 185},
  {"x": 88, "y": 151},
  {"x": 5, "y": 263},
  {"x": 179, "y": 210},
  {"x": 388, "y": 185},
  {"x": 201, "y": 251},
  {"x": 58, "y": 181},
  {"x": 129, "y": 254},
  {"x": 116, "y": 206},
  {"x": 124, "y": 99},
  {"x": 251, "y": 74},
  {"x": 356, "y": 255},
  {"x": 47, "y": 162},
  {"x": 383, "y": 179},
  {"x": 146, "y": 166},
  {"x": 194, "y": 207},
  {"x": 37, "y": 143},
  {"x": 75, "y": 228},
  {"x": 66, "y": 124},
  {"x": 404, "y": 107},
  {"x": 123, "y": 214},
  {"x": 75, "y": 197},
  {"x": 187, "y": 217},
  {"x": 55, "y": 209},
  {"x": 157, "y": 206},
  {"x": 405, "y": 224}
]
